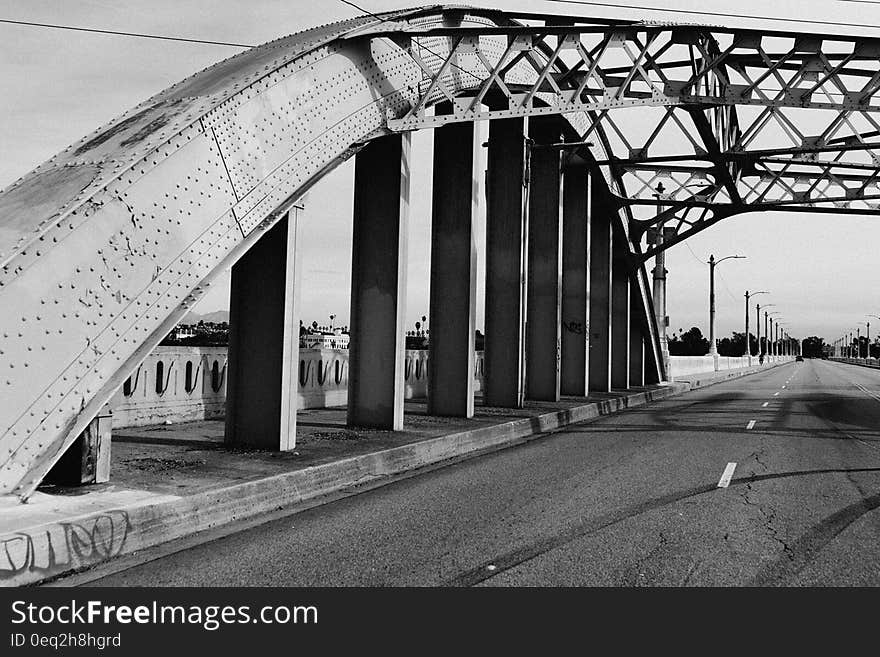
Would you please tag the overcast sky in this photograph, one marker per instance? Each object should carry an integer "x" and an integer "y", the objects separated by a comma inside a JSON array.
[{"x": 56, "y": 86}]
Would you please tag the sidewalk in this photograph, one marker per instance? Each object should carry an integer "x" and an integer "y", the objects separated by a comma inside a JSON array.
[{"x": 174, "y": 481}]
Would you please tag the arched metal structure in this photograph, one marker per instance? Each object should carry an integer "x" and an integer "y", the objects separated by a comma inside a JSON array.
[{"x": 106, "y": 246}]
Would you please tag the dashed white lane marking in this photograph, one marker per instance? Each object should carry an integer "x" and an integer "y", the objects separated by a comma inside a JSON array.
[
  {"x": 727, "y": 475},
  {"x": 783, "y": 387},
  {"x": 751, "y": 424},
  {"x": 775, "y": 394},
  {"x": 765, "y": 404}
]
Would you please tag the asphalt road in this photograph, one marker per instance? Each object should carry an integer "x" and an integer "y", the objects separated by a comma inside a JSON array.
[{"x": 626, "y": 500}]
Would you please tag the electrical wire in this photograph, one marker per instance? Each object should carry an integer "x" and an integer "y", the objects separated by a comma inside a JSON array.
[
  {"x": 138, "y": 35},
  {"x": 696, "y": 257},
  {"x": 367, "y": 12},
  {"x": 724, "y": 282},
  {"x": 711, "y": 13}
]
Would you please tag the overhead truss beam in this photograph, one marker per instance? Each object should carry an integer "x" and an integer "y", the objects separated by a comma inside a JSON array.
[{"x": 729, "y": 121}]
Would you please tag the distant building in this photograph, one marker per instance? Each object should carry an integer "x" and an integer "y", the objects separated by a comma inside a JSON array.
[
  {"x": 183, "y": 331},
  {"x": 324, "y": 340}
]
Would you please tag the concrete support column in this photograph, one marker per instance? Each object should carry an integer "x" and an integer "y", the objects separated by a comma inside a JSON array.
[
  {"x": 263, "y": 370},
  {"x": 600, "y": 292},
  {"x": 636, "y": 340},
  {"x": 650, "y": 367},
  {"x": 575, "y": 281},
  {"x": 544, "y": 264},
  {"x": 453, "y": 272},
  {"x": 378, "y": 284},
  {"x": 87, "y": 460},
  {"x": 620, "y": 313},
  {"x": 644, "y": 353},
  {"x": 506, "y": 231}
]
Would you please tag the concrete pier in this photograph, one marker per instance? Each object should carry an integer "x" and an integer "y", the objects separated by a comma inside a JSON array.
[
  {"x": 620, "y": 315},
  {"x": 453, "y": 272},
  {"x": 378, "y": 284},
  {"x": 506, "y": 231},
  {"x": 600, "y": 294},
  {"x": 544, "y": 264},
  {"x": 264, "y": 341},
  {"x": 574, "y": 378}
]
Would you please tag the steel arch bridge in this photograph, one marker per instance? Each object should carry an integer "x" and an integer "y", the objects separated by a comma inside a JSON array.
[{"x": 106, "y": 246}]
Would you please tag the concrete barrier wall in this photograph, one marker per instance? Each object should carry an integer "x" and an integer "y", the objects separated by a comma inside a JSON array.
[
  {"x": 682, "y": 366},
  {"x": 181, "y": 384},
  {"x": 865, "y": 362},
  {"x": 175, "y": 384}
]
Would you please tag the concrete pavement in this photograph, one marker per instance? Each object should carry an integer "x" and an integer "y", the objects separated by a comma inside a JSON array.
[
  {"x": 630, "y": 499},
  {"x": 173, "y": 482}
]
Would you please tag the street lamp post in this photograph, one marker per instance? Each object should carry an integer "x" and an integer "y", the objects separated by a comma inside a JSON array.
[
  {"x": 869, "y": 333},
  {"x": 764, "y": 349},
  {"x": 659, "y": 287},
  {"x": 748, "y": 343},
  {"x": 713, "y": 348},
  {"x": 771, "y": 341}
]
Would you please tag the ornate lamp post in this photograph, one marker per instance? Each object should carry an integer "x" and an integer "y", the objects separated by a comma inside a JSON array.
[
  {"x": 713, "y": 348},
  {"x": 748, "y": 343}
]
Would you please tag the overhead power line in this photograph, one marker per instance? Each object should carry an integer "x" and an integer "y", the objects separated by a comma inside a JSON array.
[
  {"x": 138, "y": 35},
  {"x": 370, "y": 14},
  {"x": 366, "y": 12},
  {"x": 712, "y": 13}
]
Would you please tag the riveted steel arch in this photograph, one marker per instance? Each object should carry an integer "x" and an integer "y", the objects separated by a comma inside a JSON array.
[{"x": 107, "y": 245}]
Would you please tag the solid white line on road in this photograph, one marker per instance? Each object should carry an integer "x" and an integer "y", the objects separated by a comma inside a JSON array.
[
  {"x": 751, "y": 424},
  {"x": 765, "y": 404},
  {"x": 727, "y": 475}
]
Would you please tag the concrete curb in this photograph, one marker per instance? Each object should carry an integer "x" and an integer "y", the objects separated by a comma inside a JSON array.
[{"x": 54, "y": 548}]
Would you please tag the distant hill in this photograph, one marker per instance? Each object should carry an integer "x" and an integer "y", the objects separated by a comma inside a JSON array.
[{"x": 216, "y": 317}]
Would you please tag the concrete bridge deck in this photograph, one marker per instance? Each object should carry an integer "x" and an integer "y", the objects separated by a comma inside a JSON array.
[
  {"x": 175, "y": 481},
  {"x": 632, "y": 499}
]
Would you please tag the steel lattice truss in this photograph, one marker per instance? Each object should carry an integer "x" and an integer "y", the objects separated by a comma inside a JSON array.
[{"x": 727, "y": 121}]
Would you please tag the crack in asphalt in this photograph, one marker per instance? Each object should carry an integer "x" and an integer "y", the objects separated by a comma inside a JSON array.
[
  {"x": 634, "y": 574},
  {"x": 769, "y": 518},
  {"x": 693, "y": 569},
  {"x": 813, "y": 541},
  {"x": 526, "y": 553}
]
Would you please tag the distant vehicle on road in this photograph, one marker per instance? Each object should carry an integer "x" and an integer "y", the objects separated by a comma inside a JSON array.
[{"x": 799, "y": 359}]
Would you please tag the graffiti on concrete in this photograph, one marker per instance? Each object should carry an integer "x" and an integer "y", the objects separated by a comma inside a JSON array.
[{"x": 64, "y": 545}]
